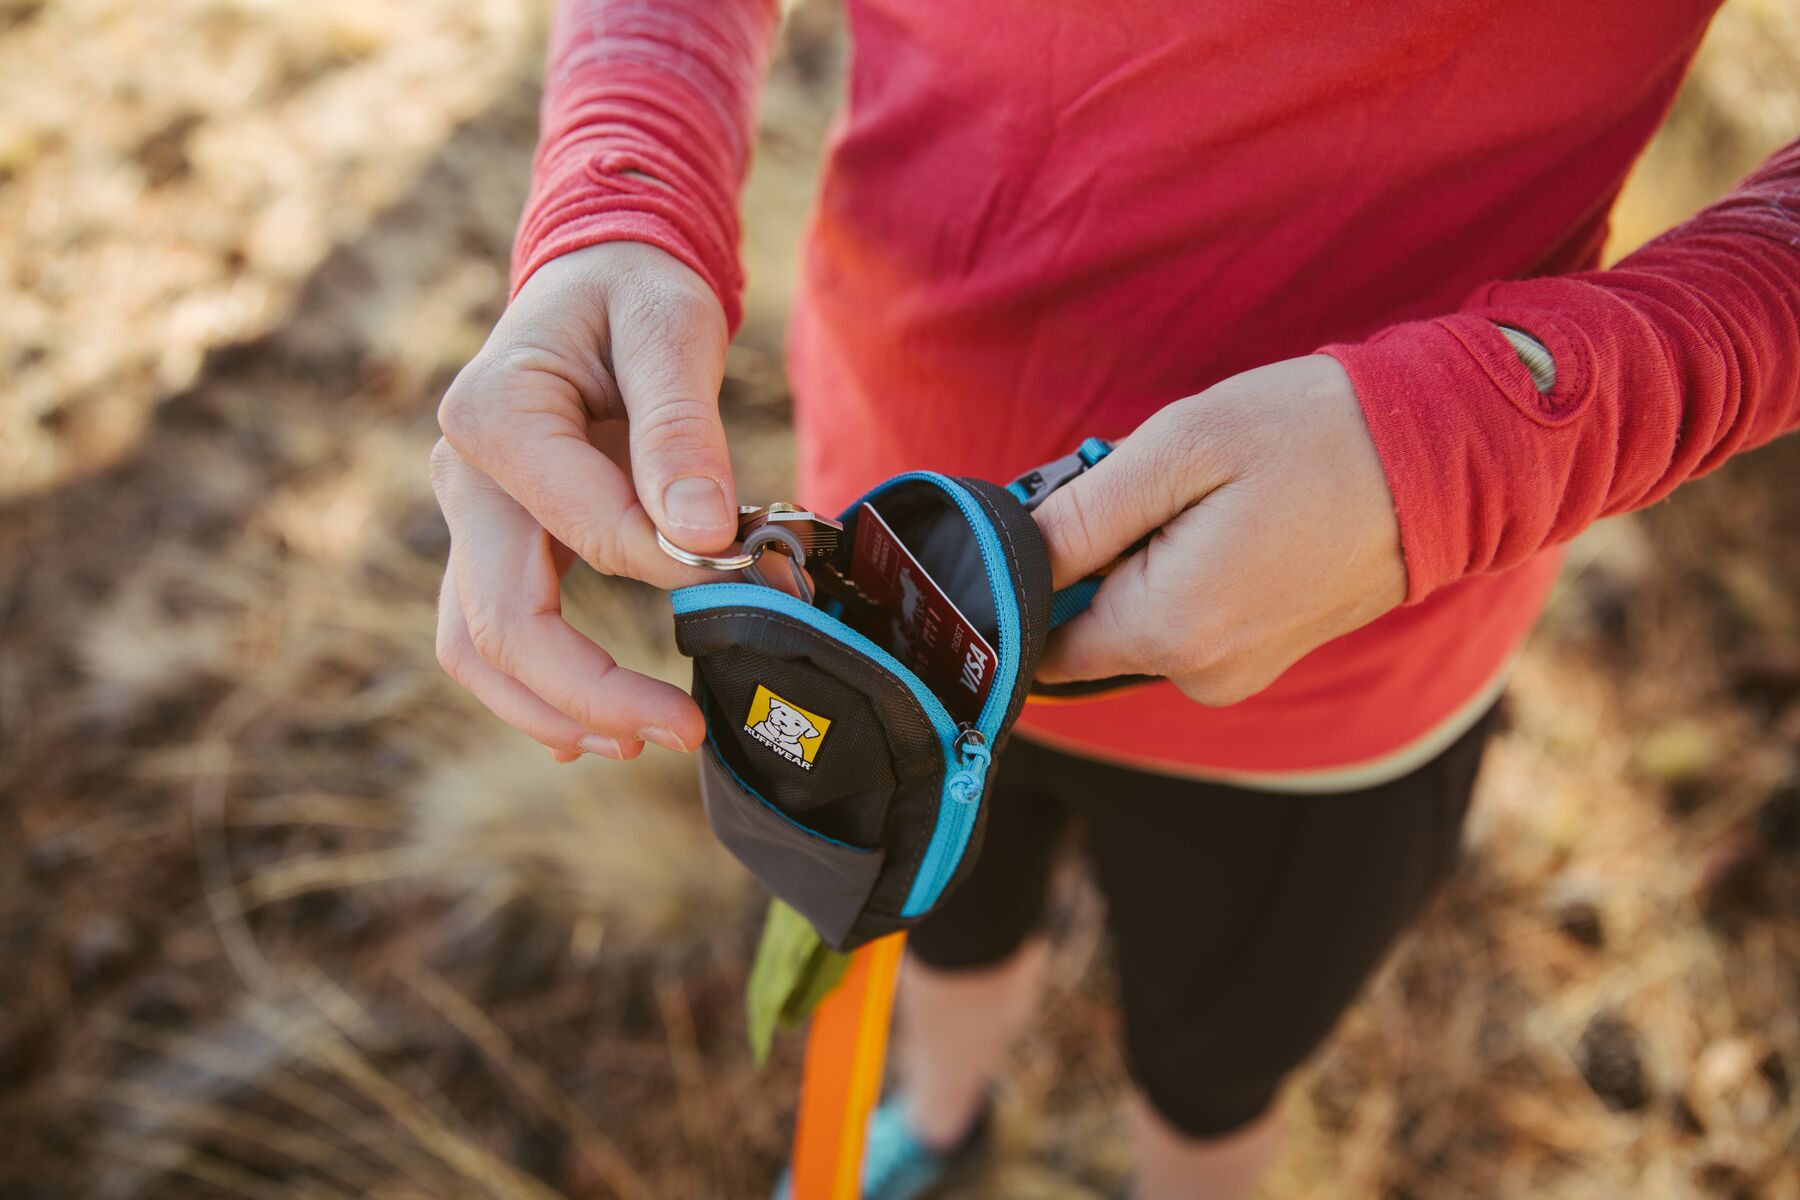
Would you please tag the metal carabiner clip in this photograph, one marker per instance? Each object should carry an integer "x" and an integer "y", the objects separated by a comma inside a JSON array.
[{"x": 774, "y": 537}]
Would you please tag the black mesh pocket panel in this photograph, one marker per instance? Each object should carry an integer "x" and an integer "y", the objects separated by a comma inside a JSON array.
[
  {"x": 827, "y": 882},
  {"x": 809, "y": 743}
]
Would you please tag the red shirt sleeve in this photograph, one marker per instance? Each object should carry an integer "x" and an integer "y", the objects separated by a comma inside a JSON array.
[
  {"x": 1668, "y": 364},
  {"x": 667, "y": 88}
]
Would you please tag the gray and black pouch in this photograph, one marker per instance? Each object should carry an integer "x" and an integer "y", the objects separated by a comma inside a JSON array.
[{"x": 831, "y": 769}]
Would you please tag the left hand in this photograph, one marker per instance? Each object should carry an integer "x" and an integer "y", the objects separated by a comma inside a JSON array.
[{"x": 1275, "y": 532}]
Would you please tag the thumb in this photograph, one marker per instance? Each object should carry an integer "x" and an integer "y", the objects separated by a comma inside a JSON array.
[
  {"x": 668, "y": 358},
  {"x": 1146, "y": 482}
]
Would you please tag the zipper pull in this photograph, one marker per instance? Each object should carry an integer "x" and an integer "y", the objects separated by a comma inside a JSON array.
[
  {"x": 970, "y": 743},
  {"x": 971, "y": 746}
]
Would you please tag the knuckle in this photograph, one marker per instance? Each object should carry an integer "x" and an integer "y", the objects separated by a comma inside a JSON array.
[
  {"x": 518, "y": 359},
  {"x": 483, "y": 404},
  {"x": 667, "y": 310},
  {"x": 605, "y": 550},
  {"x": 1139, "y": 644},
  {"x": 597, "y": 540},
  {"x": 597, "y": 533},
  {"x": 667, "y": 300},
  {"x": 1201, "y": 434},
  {"x": 1226, "y": 683},
  {"x": 452, "y": 655},
  {"x": 443, "y": 464},
  {"x": 590, "y": 712},
  {"x": 1073, "y": 524},
  {"x": 1175, "y": 640},
  {"x": 1186, "y": 445},
  {"x": 1182, "y": 437},
  {"x": 1228, "y": 690},
  {"x": 658, "y": 302},
  {"x": 677, "y": 424},
  {"x": 1236, "y": 689},
  {"x": 1203, "y": 646},
  {"x": 460, "y": 414},
  {"x": 491, "y": 633},
  {"x": 1147, "y": 649},
  {"x": 1206, "y": 688},
  {"x": 1227, "y": 429}
]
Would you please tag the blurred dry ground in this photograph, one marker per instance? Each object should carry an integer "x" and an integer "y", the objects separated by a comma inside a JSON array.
[{"x": 282, "y": 913}]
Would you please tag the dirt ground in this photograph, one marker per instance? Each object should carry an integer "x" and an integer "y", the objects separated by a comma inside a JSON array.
[{"x": 284, "y": 914}]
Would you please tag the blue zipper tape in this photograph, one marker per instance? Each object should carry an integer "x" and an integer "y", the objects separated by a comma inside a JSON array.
[{"x": 956, "y": 817}]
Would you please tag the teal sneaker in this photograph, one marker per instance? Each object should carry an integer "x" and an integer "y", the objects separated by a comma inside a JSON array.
[{"x": 898, "y": 1166}]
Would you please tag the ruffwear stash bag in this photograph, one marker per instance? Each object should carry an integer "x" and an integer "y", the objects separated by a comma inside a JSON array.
[{"x": 854, "y": 784}]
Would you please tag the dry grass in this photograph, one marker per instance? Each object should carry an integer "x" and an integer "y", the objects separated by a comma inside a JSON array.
[{"x": 283, "y": 914}]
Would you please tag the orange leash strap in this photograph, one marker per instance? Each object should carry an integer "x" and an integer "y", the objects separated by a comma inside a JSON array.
[{"x": 845, "y": 1048}]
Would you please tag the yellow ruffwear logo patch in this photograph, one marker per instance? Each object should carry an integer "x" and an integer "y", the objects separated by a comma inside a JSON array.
[{"x": 785, "y": 727}]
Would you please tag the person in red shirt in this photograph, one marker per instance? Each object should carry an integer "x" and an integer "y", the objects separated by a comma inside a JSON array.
[{"x": 1333, "y": 277}]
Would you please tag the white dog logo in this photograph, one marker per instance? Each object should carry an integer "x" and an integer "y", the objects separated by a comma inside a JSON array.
[{"x": 785, "y": 728}]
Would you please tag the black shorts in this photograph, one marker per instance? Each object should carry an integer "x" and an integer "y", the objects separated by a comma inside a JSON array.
[{"x": 1243, "y": 923}]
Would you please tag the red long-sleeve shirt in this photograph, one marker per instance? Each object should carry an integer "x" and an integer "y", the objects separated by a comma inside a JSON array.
[{"x": 1040, "y": 222}]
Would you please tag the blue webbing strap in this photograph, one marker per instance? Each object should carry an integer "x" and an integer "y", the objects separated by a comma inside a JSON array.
[
  {"x": 1093, "y": 450},
  {"x": 1072, "y": 601}
]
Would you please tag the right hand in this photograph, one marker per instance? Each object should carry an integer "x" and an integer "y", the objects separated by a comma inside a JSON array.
[{"x": 589, "y": 420}]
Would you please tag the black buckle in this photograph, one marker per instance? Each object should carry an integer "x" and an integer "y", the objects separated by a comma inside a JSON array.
[{"x": 1034, "y": 485}]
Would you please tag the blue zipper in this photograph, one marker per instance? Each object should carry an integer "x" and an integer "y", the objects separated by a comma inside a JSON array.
[
  {"x": 965, "y": 774},
  {"x": 994, "y": 559}
]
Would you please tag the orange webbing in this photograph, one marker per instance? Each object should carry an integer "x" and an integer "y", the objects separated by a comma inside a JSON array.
[{"x": 844, "y": 1052}]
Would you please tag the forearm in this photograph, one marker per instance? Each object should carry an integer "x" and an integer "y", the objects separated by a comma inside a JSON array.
[
  {"x": 1680, "y": 356},
  {"x": 645, "y": 132}
]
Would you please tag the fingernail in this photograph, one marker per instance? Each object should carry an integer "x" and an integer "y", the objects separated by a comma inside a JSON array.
[
  {"x": 662, "y": 736},
  {"x": 696, "y": 502},
  {"x": 593, "y": 743}
]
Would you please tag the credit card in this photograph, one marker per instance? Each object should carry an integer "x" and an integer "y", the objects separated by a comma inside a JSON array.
[{"x": 918, "y": 623}]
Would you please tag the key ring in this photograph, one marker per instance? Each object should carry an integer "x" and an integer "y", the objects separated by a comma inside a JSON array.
[
  {"x": 798, "y": 534},
  {"x": 718, "y": 562},
  {"x": 780, "y": 539}
]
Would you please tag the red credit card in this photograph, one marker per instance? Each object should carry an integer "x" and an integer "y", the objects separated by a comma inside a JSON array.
[{"x": 918, "y": 624}]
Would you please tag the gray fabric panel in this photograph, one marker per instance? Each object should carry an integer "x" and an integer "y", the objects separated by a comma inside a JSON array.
[
  {"x": 825, "y": 882},
  {"x": 918, "y": 758}
]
